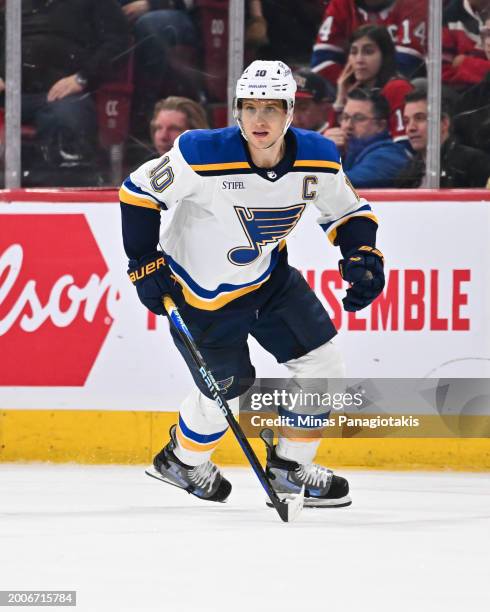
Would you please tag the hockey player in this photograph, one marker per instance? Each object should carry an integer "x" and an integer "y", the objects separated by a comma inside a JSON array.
[{"x": 238, "y": 193}]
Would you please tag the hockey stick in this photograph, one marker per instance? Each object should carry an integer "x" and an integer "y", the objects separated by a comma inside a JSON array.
[{"x": 288, "y": 509}]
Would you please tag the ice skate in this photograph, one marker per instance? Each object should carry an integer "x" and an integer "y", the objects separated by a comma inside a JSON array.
[
  {"x": 323, "y": 489},
  {"x": 204, "y": 481}
]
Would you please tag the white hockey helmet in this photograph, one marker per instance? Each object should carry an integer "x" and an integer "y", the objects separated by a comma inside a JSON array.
[{"x": 266, "y": 80}]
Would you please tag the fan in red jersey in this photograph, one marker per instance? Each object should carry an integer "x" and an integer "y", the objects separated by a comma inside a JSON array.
[
  {"x": 404, "y": 19},
  {"x": 464, "y": 58},
  {"x": 372, "y": 64}
]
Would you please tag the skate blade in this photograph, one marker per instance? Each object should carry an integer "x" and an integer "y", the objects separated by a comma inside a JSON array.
[
  {"x": 342, "y": 502},
  {"x": 153, "y": 473},
  {"x": 311, "y": 502}
]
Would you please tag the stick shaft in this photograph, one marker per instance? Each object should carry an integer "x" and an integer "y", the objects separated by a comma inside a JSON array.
[{"x": 179, "y": 325}]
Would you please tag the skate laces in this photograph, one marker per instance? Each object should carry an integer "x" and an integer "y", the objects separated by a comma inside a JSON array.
[
  {"x": 204, "y": 475},
  {"x": 314, "y": 475}
]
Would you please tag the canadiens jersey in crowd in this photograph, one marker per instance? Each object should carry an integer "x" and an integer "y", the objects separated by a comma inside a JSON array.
[
  {"x": 405, "y": 19},
  {"x": 231, "y": 219}
]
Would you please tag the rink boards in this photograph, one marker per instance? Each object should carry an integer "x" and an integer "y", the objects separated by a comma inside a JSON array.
[
  {"x": 93, "y": 437},
  {"x": 87, "y": 375}
]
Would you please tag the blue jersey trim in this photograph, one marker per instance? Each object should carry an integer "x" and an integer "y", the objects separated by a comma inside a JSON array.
[
  {"x": 314, "y": 146},
  {"x": 135, "y": 189},
  {"x": 325, "y": 226},
  {"x": 199, "y": 147},
  {"x": 224, "y": 287},
  {"x": 224, "y": 146},
  {"x": 197, "y": 437}
]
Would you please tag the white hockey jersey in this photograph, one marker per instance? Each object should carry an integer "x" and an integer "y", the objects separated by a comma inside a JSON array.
[{"x": 232, "y": 219}]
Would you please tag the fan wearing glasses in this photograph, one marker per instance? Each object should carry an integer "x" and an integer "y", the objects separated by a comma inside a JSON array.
[{"x": 370, "y": 157}]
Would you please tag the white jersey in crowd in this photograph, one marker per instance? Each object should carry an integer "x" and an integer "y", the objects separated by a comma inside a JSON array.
[{"x": 232, "y": 219}]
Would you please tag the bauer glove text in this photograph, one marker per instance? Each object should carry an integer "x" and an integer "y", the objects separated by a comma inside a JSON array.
[{"x": 153, "y": 279}]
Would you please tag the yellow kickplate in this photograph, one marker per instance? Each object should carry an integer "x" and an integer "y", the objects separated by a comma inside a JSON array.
[{"x": 98, "y": 437}]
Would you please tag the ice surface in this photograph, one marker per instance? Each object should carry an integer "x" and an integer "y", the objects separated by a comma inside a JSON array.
[{"x": 410, "y": 542}]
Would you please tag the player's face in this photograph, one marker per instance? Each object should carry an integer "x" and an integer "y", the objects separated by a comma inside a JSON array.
[
  {"x": 308, "y": 114},
  {"x": 366, "y": 59},
  {"x": 263, "y": 121},
  {"x": 167, "y": 125},
  {"x": 358, "y": 120},
  {"x": 415, "y": 120}
]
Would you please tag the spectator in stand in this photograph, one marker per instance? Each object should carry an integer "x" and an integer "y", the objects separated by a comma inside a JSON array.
[
  {"x": 165, "y": 45},
  {"x": 472, "y": 111},
  {"x": 464, "y": 59},
  {"x": 313, "y": 104},
  {"x": 370, "y": 157},
  {"x": 256, "y": 28},
  {"x": 68, "y": 49},
  {"x": 291, "y": 28},
  {"x": 405, "y": 19},
  {"x": 372, "y": 64},
  {"x": 461, "y": 166},
  {"x": 172, "y": 117}
]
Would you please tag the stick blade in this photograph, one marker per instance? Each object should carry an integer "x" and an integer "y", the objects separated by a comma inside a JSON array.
[{"x": 291, "y": 505}]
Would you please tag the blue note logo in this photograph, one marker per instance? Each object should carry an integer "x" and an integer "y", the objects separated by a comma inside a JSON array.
[
  {"x": 224, "y": 385},
  {"x": 263, "y": 226}
]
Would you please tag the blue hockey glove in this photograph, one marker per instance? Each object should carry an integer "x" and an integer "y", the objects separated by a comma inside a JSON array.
[
  {"x": 153, "y": 279},
  {"x": 363, "y": 269}
]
